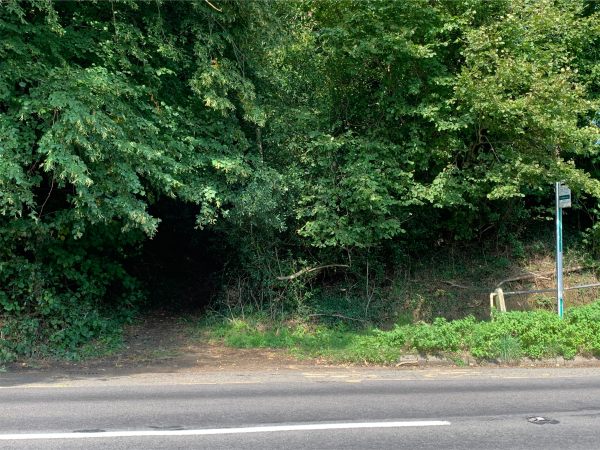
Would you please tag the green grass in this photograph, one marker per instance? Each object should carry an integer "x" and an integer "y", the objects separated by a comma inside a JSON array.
[
  {"x": 510, "y": 336},
  {"x": 335, "y": 343},
  {"x": 108, "y": 344}
]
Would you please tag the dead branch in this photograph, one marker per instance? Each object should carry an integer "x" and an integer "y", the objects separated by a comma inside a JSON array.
[
  {"x": 531, "y": 276},
  {"x": 459, "y": 286},
  {"x": 213, "y": 6},
  {"x": 47, "y": 198},
  {"x": 309, "y": 270},
  {"x": 339, "y": 316}
]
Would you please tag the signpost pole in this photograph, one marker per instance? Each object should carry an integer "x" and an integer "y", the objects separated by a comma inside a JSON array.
[{"x": 559, "y": 252}]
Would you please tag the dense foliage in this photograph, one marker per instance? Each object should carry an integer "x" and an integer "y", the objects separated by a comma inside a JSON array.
[
  {"x": 466, "y": 107},
  {"x": 507, "y": 338},
  {"x": 106, "y": 107},
  {"x": 302, "y": 133}
]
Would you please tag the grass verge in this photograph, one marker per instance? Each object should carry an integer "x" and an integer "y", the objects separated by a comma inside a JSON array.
[{"x": 508, "y": 337}]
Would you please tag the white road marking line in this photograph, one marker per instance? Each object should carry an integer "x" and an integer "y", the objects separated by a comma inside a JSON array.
[{"x": 214, "y": 431}]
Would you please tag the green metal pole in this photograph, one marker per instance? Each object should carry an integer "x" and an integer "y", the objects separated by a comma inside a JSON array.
[{"x": 559, "y": 254}]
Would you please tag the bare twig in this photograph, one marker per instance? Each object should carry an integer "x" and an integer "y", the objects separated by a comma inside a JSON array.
[
  {"x": 213, "y": 6},
  {"x": 530, "y": 276},
  {"x": 492, "y": 147},
  {"x": 47, "y": 197},
  {"x": 459, "y": 286},
  {"x": 339, "y": 316},
  {"x": 309, "y": 270},
  {"x": 527, "y": 276}
]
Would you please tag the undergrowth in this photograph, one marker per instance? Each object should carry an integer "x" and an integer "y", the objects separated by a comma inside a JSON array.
[
  {"x": 508, "y": 337},
  {"x": 86, "y": 335}
]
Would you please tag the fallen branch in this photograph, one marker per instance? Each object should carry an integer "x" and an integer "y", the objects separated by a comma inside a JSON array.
[
  {"x": 459, "y": 286},
  {"x": 531, "y": 276},
  {"x": 339, "y": 316},
  {"x": 451, "y": 284},
  {"x": 213, "y": 6},
  {"x": 309, "y": 270}
]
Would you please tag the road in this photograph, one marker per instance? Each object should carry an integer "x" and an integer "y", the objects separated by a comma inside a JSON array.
[{"x": 345, "y": 409}]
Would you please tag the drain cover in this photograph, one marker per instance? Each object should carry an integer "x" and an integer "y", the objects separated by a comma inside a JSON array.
[{"x": 539, "y": 420}]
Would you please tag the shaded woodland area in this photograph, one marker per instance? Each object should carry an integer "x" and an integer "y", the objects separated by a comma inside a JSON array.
[{"x": 291, "y": 158}]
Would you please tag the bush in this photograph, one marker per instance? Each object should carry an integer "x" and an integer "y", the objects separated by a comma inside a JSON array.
[
  {"x": 508, "y": 337},
  {"x": 67, "y": 296}
]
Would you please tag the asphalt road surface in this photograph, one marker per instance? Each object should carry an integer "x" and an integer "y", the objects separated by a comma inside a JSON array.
[{"x": 337, "y": 409}]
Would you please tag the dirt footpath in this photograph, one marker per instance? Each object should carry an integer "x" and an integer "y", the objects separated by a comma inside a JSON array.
[{"x": 164, "y": 343}]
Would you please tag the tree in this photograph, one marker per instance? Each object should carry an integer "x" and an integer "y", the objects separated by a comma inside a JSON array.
[
  {"x": 105, "y": 107},
  {"x": 468, "y": 107}
]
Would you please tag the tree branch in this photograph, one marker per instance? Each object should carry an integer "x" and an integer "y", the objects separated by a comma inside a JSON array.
[
  {"x": 459, "y": 286},
  {"x": 47, "y": 198},
  {"x": 531, "y": 276},
  {"x": 340, "y": 316},
  {"x": 309, "y": 270},
  {"x": 213, "y": 6}
]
